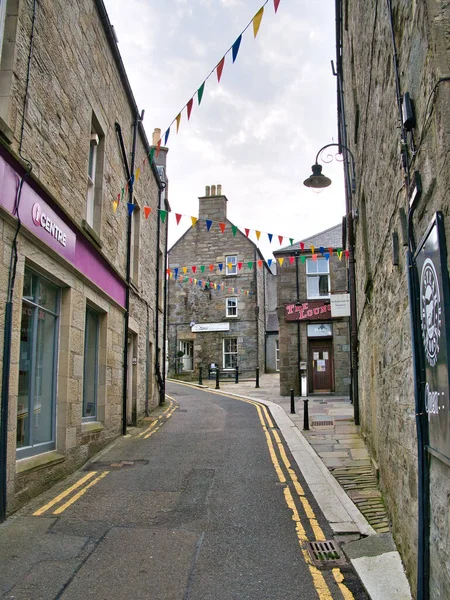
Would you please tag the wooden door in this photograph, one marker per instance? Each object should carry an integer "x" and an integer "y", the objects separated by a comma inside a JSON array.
[{"x": 320, "y": 366}]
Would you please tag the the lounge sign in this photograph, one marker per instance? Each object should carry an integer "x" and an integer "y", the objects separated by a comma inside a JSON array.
[
  {"x": 313, "y": 310},
  {"x": 434, "y": 294}
]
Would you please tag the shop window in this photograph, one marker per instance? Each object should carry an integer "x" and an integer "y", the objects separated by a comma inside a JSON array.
[
  {"x": 37, "y": 366},
  {"x": 90, "y": 371},
  {"x": 318, "y": 278},
  {"x": 231, "y": 265},
  {"x": 230, "y": 353},
  {"x": 232, "y": 307},
  {"x": 95, "y": 177}
]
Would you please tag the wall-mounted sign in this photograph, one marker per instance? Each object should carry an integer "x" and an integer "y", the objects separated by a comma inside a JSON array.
[
  {"x": 202, "y": 327},
  {"x": 320, "y": 330},
  {"x": 431, "y": 262},
  {"x": 340, "y": 305},
  {"x": 313, "y": 310}
]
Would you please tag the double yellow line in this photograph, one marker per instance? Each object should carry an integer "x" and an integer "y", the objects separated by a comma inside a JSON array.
[
  {"x": 81, "y": 482},
  {"x": 153, "y": 428},
  {"x": 277, "y": 449}
]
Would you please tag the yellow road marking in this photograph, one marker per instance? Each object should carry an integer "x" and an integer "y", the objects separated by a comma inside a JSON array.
[
  {"x": 64, "y": 494},
  {"x": 62, "y": 508},
  {"x": 344, "y": 589},
  {"x": 148, "y": 432}
]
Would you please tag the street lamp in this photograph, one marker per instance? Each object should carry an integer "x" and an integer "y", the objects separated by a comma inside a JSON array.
[{"x": 317, "y": 180}]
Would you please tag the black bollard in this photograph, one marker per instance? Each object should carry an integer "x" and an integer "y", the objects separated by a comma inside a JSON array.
[
  {"x": 292, "y": 402},
  {"x": 257, "y": 377},
  {"x": 305, "y": 415},
  {"x": 236, "y": 375},
  {"x": 217, "y": 379},
  {"x": 200, "y": 376}
]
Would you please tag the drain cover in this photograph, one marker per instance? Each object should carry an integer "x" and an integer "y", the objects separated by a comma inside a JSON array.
[
  {"x": 321, "y": 423},
  {"x": 326, "y": 554}
]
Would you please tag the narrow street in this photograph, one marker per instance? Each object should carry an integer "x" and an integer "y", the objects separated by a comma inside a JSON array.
[{"x": 204, "y": 504}]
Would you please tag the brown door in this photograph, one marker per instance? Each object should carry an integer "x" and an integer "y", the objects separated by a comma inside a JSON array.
[{"x": 320, "y": 366}]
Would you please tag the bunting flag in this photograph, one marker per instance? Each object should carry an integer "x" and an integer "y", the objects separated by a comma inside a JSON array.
[
  {"x": 240, "y": 265},
  {"x": 270, "y": 236},
  {"x": 163, "y": 215},
  {"x": 280, "y": 239},
  {"x": 330, "y": 250},
  {"x": 258, "y": 235},
  {"x": 321, "y": 250},
  {"x": 189, "y": 108},
  {"x": 220, "y": 265},
  {"x": 302, "y": 245},
  {"x": 222, "y": 227},
  {"x": 158, "y": 148},
  {"x": 269, "y": 262},
  {"x": 184, "y": 270},
  {"x": 291, "y": 259},
  {"x": 147, "y": 211},
  {"x": 202, "y": 268},
  {"x": 200, "y": 91},
  {"x": 276, "y": 4},
  {"x": 260, "y": 264},
  {"x": 247, "y": 232},
  {"x": 257, "y": 21},
  {"x": 138, "y": 172},
  {"x": 347, "y": 254},
  {"x": 327, "y": 255},
  {"x": 178, "y": 118},
  {"x": 303, "y": 259},
  {"x": 208, "y": 224},
  {"x": 121, "y": 195},
  {"x": 176, "y": 272},
  {"x": 166, "y": 136},
  {"x": 194, "y": 268},
  {"x": 234, "y": 230},
  {"x": 131, "y": 208},
  {"x": 339, "y": 254},
  {"x": 312, "y": 249},
  {"x": 314, "y": 256},
  {"x": 291, "y": 241},
  {"x": 219, "y": 69},
  {"x": 178, "y": 218},
  {"x": 211, "y": 267},
  {"x": 194, "y": 221},
  {"x": 115, "y": 205},
  {"x": 235, "y": 47},
  {"x": 281, "y": 260},
  {"x": 250, "y": 265}
]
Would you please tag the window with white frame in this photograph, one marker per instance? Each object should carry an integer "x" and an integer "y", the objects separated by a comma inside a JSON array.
[
  {"x": 187, "y": 359},
  {"x": 317, "y": 278},
  {"x": 230, "y": 353},
  {"x": 232, "y": 307},
  {"x": 231, "y": 264}
]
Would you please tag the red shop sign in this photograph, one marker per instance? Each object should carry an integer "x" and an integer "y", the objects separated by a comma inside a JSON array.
[{"x": 313, "y": 310}]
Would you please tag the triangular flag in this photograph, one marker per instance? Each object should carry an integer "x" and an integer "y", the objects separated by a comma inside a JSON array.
[
  {"x": 193, "y": 268},
  {"x": 270, "y": 236},
  {"x": 291, "y": 259},
  {"x": 194, "y": 221},
  {"x": 122, "y": 193},
  {"x": 291, "y": 241},
  {"x": 314, "y": 256},
  {"x": 138, "y": 172},
  {"x": 208, "y": 224},
  {"x": 163, "y": 215},
  {"x": 184, "y": 270},
  {"x": 178, "y": 218},
  {"x": 302, "y": 245},
  {"x": 230, "y": 266},
  {"x": 168, "y": 271},
  {"x": 166, "y": 136},
  {"x": 176, "y": 272},
  {"x": 200, "y": 91},
  {"x": 220, "y": 265},
  {"x": 115, "y": 205},
  {"x": 151, "y": 154},
  {"x": 234, "y": 230},
  {"x": 131, "y": 207},
  {"x": 330, "y": 250},
  {"x": 189, "y": 108},
  {"x": 220, "y": 69},
  {"x": 178, "y": 121},
  {"x": 250, "y": 265},
  {"x": 260, "y": 264},
  {"x": 247, "y": 231},
  {"x": 240, "y": 265},
  {"x": 281, "y": 260},
  {"x": 158, "y": 147},
  {"x": 211, "y": 267},
  {"x": 276, "y": 4},
  {"x": 258, "y": 234},
  {"x": 347, "y": 254},
  {"x": 303, "y": 259},
  {"x": 222, "y": 227},
  {"x": 327, "y": 255},
  {"x": 235, "y": 48},
  {"x": 190, "y": 280},
  {"x": 312, "y": 249},
  {"x": 257, "y": 20},
  {"x": 280, "y": 239},
  {"x": 269, "y": 262},
  {"x": 202, "y": 268},
  {"x": 147, "y": 211},
  {"x": 321, "y": 250},
  {"x": 339, "y": 253}
]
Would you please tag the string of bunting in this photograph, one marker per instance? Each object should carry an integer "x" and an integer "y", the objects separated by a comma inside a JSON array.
[
  {"x": 218, "y": 69},
  {"x": 205, "y": 284}
]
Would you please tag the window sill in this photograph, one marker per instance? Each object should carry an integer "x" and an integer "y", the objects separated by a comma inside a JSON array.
[
  {"x": 40, "y": 461},
  {"x": 91, "y": 427},
  {"x": 91, "y": 233}
]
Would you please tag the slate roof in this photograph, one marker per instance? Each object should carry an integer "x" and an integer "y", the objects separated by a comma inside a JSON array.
[{"x": 330, "y": 238}]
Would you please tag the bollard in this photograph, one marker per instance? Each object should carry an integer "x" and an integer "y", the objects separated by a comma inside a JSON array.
[
  {"x": 236, "y": 375},
  {"x": 292, "y": 402},
  {"x": 200, "y": 376},
  {"x": 257, "y": 377},
  {"x": 305, "y": 415},
  {"x": 217, "y": 379}
]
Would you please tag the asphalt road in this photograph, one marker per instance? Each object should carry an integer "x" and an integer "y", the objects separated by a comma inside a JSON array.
[{"x": 205, "y": 504}]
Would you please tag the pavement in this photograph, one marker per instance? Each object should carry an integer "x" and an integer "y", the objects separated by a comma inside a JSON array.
[{"x": 334, "y": 460}]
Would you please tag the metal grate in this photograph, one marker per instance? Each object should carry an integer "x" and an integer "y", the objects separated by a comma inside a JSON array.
[
  {"x": 326, "y": 554},
  {"x": 321, "y": 423}
]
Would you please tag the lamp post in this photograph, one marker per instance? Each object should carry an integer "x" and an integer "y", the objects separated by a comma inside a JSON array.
[{"x": 317, "y": 180}]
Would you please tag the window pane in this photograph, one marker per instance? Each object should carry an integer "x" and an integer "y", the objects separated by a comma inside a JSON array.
[
  {"x": 231, "y": 264},
  {"x": 323, "y": 265},
  {"x": 26, "y": 349},
  {"x": 42, "y": 424},
  {"x": 90, "y": 364},
  {"x": 313, "y": 287},
  {"x": 311, "y": 266},
  {"x": 48, "y": 295},
  {"x": 323, "y": 285}
]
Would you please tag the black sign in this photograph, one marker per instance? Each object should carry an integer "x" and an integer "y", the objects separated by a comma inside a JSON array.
[{"x": 431, "y": 260}]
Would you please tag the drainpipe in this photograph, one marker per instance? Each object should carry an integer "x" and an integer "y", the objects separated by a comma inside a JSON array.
[
  {"x": 161, "y": 383},
  {"x": 165, "y": 349},
  {"x": 297, "y": 284}
]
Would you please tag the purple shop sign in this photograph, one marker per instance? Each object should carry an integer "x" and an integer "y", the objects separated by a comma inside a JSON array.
[{"x": 56, "y": 232}]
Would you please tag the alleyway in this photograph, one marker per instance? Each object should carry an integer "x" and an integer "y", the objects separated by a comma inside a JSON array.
[{"x": 205, "y": 503}]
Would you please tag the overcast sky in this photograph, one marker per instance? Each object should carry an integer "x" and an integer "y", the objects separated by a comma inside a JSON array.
[{"x": 256, "y": 132}]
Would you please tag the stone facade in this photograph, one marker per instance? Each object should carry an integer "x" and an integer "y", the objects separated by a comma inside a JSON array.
[
  {"x": 199, "y": 296},
  {"x": 77, "y": 92},
  {"x": 374, "y": 94},
  {"x": 300, "y": 337}
]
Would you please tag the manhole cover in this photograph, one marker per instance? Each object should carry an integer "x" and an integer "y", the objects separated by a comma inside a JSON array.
[
  {"x": 321, "y": 423},
  {"x": 117, "y": 464},
  {"x": 326, "y": 554}
]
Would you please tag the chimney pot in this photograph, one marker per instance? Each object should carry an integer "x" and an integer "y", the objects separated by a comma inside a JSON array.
[
  {"x": 213, "y": 190},
  {"x": 207, "y": 190},
  {"x": 219, "y": 189},
  {"x": 156, "y": 136}
]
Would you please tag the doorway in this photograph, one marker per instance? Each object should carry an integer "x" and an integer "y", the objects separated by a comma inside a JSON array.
[{"x": 320, "y": 366}]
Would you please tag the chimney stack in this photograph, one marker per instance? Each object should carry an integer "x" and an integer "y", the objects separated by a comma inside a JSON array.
[
  {"x": 213, "y": 205},
  {"x": 213, "y": 190},
  {"x": 219, "y": 189},
  {"x": 207, "y": 191},
  {"x": 156, "y": 136}
]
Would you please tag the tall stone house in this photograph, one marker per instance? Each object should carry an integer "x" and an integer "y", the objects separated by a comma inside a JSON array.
[
  {"x": 217, "y": 296},
  {"x": 393, "y": 75},
  {"x": 314, "y": 351},
  {"x": 71, "y": 143}
]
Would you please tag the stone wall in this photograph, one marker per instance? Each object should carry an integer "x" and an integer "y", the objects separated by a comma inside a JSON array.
[{"x": 385, "y": 356}]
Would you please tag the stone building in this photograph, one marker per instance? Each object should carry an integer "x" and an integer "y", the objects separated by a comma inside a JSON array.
[
  {"x": 65, "y": 107},
  {"x": 217, "y": 295},
  {"x": 393, "y": 74},
  {"x": 314, "y": 345}
]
